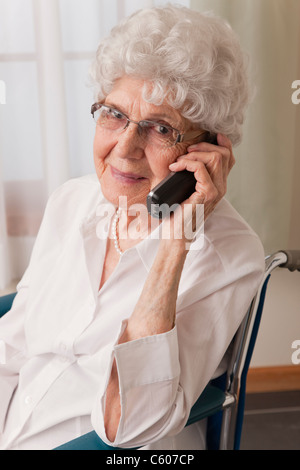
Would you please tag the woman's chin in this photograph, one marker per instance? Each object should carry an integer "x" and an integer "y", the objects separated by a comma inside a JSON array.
[{"x": 124, "y": 195}]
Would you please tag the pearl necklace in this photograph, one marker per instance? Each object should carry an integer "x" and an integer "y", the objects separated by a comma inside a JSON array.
[{"x": 115, "y": 231}]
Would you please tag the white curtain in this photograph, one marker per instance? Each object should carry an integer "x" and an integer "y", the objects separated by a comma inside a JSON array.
[
  {"x": 46, "y": 131},
  {"x": 264, "y": 185}
]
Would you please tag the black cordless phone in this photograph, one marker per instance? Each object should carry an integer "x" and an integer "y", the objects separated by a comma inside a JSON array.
[{"x": 174, "y": 189}]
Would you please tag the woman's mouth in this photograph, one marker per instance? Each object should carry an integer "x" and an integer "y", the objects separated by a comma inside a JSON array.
[{"x": 129, "y": 178}]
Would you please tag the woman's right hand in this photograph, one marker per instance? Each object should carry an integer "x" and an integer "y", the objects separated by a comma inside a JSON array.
[{"x": 211, "y": 165}]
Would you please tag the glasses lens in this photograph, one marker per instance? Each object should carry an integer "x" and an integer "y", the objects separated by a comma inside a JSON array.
[
  {"x": 159, "y": 134},
  {"x": 110, "y": 118},
  {"x": 154, "y": 133}
]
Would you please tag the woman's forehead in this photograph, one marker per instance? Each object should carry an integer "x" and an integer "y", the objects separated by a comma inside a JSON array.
[{"x": 127, "y": 96}]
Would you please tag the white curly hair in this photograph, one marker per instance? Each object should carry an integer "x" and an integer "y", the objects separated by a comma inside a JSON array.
[{"x": 193, "y": 60}]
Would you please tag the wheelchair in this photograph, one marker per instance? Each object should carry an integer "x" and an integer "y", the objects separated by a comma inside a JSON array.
[{"x": 223, "y": 400}]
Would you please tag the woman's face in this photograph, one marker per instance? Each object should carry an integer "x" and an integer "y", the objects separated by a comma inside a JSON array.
[{"x": 125, "y": 164}]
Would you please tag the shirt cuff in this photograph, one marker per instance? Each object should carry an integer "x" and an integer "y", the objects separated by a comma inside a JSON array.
[{"x": 147, "y": 360}]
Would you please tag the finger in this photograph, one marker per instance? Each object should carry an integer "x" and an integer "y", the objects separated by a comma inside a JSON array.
[
  {"x": 217, "y": 162},
  {"x": 205, "y": 193},
  {"x": 205, "y": 190},
  {"x": 206, "y": 154},
  {"x": 224, "y": 147},
  {"x": 222, "y": 141},
  {"x": 215, "y": 175},
  {"x": 207, "y": 157},
  {"x": 214, "y": 167},
  {"x": 217, "y": 165},
  {"x": 204, "y": 184}
]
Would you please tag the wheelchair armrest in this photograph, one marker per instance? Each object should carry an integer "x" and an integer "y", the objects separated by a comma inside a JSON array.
[
  {"x": 6, "y": 303},
  {"x": 210, "y": 402}
]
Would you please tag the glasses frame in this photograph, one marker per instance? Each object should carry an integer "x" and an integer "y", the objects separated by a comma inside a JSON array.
[{"x": 190, "y": 135}]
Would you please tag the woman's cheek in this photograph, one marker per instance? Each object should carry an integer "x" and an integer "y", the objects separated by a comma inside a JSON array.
[
  {"x": 160, "y": 165},
  {"x": 99, "y": 163},
  {"x": 100, "y": 154}
]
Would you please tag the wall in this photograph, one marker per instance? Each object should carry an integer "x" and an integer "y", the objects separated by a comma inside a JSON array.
[
  {"x": 280, "y": 324},
  {"x": 264, "y": 184}
]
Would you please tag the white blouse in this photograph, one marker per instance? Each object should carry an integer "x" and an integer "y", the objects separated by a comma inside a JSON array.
[{"x": 61, "y": 335}]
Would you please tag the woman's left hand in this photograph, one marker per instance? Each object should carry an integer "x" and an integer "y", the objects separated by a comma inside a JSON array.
[{"x": 211, "y": 165}]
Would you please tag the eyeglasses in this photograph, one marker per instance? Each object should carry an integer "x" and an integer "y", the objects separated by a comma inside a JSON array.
[{"x": 155, "y": 133}]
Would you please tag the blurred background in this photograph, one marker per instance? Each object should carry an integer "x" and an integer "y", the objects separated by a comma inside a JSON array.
[{"x": 46, "y": 136}]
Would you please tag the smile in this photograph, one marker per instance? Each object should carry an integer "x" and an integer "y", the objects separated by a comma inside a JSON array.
[{"x": 129, "y": 178}]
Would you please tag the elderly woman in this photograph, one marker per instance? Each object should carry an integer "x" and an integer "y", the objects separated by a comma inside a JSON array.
[{"x": 120, "y": 330}]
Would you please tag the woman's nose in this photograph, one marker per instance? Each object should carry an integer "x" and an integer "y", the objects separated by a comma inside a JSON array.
[{"x": 130, "y": 142}]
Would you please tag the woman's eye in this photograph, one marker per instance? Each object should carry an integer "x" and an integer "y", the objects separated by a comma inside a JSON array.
[
  {"x": 163, "y": 130},
  {"x": 105, "y": 112},
  {"x": 116, "y": 114}
]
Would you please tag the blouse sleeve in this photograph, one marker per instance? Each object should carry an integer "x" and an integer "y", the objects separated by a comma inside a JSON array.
[
  {"x": 12, "y": 325},
  {"x": 161, "y": 377},
  {"x": 12, "y": 339}
]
